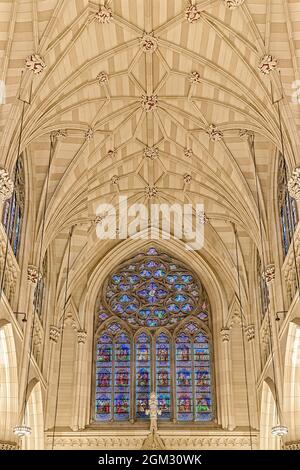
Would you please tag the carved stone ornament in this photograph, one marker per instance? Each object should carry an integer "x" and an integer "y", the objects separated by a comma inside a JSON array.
[
  {"x": 269, "y": 274},
  {"x": 35, "y": 63},
  {"x": 232, "y": 4},
  {"x": 187, "y": 178},
  {"x": 54, "y": 333},
  {"x": 6, "y": 185},
  {"x": 192, "y": 13},
  {"x": 115, "y": 180},
  {"x": 151, "y": 152},
  {"x": 214, "y": 133},
  {"x": 33, "y": 274},
  {"x": 244, "y": 134},
  {"x": 148, "y": 43},
  {"x": 294, "y": 184},
  {"x": 60, "y": 134},
  {"x": 104, "y": 15},
  {"x": 102, "y": 78},
  {"x": 188, "y": 153},
  {"x": 7, "y": 445},
  {"x": 112, "y": 153},
  {"x": 151, "y": 191},
  {"x": 194, "y": 77},
  {"x": 81, "y": 336},
  {"x": 89, "y": 134},
  {"x": 267, "y": 64},
  {"x": 149, "y": 103},
  {"x": 202, "y": 218},
  {"x": 225, "y": 334},
  {"x": 250, "y": 332}
]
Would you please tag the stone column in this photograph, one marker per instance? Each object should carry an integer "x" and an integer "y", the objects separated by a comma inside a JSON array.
[
  {"x": 228, "y": 419},
  {"x": 78, "y": 415},
  {"x": 32, "y": 277},
  {"x": 250, "y": 336},
  {"x": 54, "y": 335},
  {"x": 269, "y": 276}
]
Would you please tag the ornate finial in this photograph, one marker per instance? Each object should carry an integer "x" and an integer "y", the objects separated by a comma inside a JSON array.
[
  {"x": 294, "y": 184},
  {"x": 115, "y": 180},
  {"x": 250, "y": 332},
  {"x": 188, "y": 153},
  {"x": 269, "y": 274},
  {"x": 151, "y": 191},
  {"x": 104, "y": 15},
  {"x": 60, "y": 134},
  {"x": 35, "y": 63},
  {"x": 6, "y": 185},
  {"x": 149, "y": 103},
  {"x": 215, "y": 134},
  {"x": 153, "y": 411},
  {"x": 151, "y": 152},
  {"x": 81, "y": 336},
  {"x": 148, "y": 43},
  {"x": 245, "y": 134},
  {"x": 192, "y": 13},
  {"x": 225, "y": 334},
  {"x": 102, "y": 78},
  {"x": 54, "y": 333},
  {"x": 232, "y": 4},
  {"x": 187, "y": 178},
  {"x": 194, "y": 77},
  {"x": 89, "y": 134},
  {"x": 267, "y": 64},
  {"x": 33, "y": 274}
]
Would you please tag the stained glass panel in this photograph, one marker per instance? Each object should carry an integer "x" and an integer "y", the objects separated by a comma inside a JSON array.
[
  {"x": 143, "y": 374},
  {"x": 184, "y": 386},
  {"x": 163, "y": 379},
  {"x": 103, "y": 378},
  {"x": 203, "y": 400},
  {"x": 122, "y": 378}
]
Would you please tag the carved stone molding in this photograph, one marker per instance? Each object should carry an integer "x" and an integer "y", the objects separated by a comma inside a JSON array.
[
  {"x": 225, "y": 334},
  {"x": 6, "y": 185},
  {"x": 250, "y": 332},
  {"x": 202, "y": 218},
  {"x": 187, "y": 178},
  {"x": 149, "y": 103},
  {"x": 104, "y": 15},
  {"x": 60, "y": 134},
  {"x": 269, "y": 274},
  {"x": 35, "y": 63},
  {"x": 215, "y": 134},
  {"x": 188, "y": 153},
  {"x": 194, "y": 77},
  {"x": 151, "y": 191},
  {"x": 81, "y": 336},
  {"x": 292, "y": 445},
  {"x": 115, "y": 180},
  {"x": 151, "y": 152},
  {"x": 112, "y": 153},
  {"x": 267, "y": 64},
  {"x": 294, "y": 184},
  {"x": 192, "y": 13},
  {"x": 148, "y": 43},
  {"x": 54, "y": 333},
  {"x": 232, "y": 4},
  {"x": 33, "y": 274},
  {"x": 245, "y": 134},
  {"x": 89, "y": 134},
  {"x": 102, "y": 78},
  {"x": 6, "y": 445}
]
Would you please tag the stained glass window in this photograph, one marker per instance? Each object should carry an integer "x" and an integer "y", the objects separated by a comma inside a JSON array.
[
  {"x": 153, "y": 291},
  {"x": 287, "y": 208},
  {"x": 13, "y": 208}
]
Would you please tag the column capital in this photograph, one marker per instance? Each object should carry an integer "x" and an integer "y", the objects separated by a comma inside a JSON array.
[
  {"x": 269, "y": 274},
  {"x": 81, "y": 336},
  {"x": 54, "y": 333},
  {"x": 33, "y": 274},
  {"x": 225, "y": 334},
  {"x": 6, "y": 185},
  {"x": 294, "y": 184}
]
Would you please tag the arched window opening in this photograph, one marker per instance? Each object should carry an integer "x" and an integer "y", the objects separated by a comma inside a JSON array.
[
  {"x": 166, "y": 347},
  {"x": 287, "y": 208},
  {"x": 13, "y": 209}
]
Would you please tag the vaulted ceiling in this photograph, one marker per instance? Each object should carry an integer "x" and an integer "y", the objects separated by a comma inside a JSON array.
[{"x": 133, "y": 90}]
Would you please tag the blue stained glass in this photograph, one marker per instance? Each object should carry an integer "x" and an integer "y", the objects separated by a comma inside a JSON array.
[
  {"x": 122, "y": 378},
  {"x": 103, "y": 316},
  {"x": 163, "y": 385},
  {"x": 145, "y": 273},
  {"x": 203, "y": 316},
  {"x": 159, "y": 273},
  {"x": 186, "y": 278},
  {"x": 131, "y": 308},
  {"x": 152, "y": 252},
  {"x": 180, "y": 298},
  {"x": 116, "y": 279},
  {"x": 144, "y": 313},
  {"x": 151, "y": 264},
  {"x": 118, "y": 308},
  {"x": 180, "y": 287},
  {"x": 171, "y": 278},
  {"x": 125, "y": 298},
  {"x": 152, "y": 322},
  {"x": 133, "y": 279},
  {"x": 125, "y": 287},
  {"x": 173, "y": 308},
  {"x": 103, "y": 377},
  {"x": 159, "y": 313},
  {"x": 143, "y": 375},
  {"x": 187, "y": 308}
]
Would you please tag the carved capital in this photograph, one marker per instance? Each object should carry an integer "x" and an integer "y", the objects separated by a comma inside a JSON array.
[
  {"x": 267, "y": 64},
  {"x": 102, "y": 78},
  {"x": 250, "y": 332},
  {"x": 232, "y": 4},
  {"x": 269, "y": 274},
  {"x": 54, "y": 333},
  {"x": 6, "y": 185},
  {"x": 60, "y": 134},
  {"x": 245, "y": 134},
  {"x": 215, "y": 134},
  {"x": 225, "y": 334},
  {"x": 81, "y": 336},
  {"x": 194, "y": 77},
  {"x": 187, "y": 178},
  {"x": 33, "y": 274},
  {"x": 294, "y": 184},
  {"x": 35, "y": 63}
]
